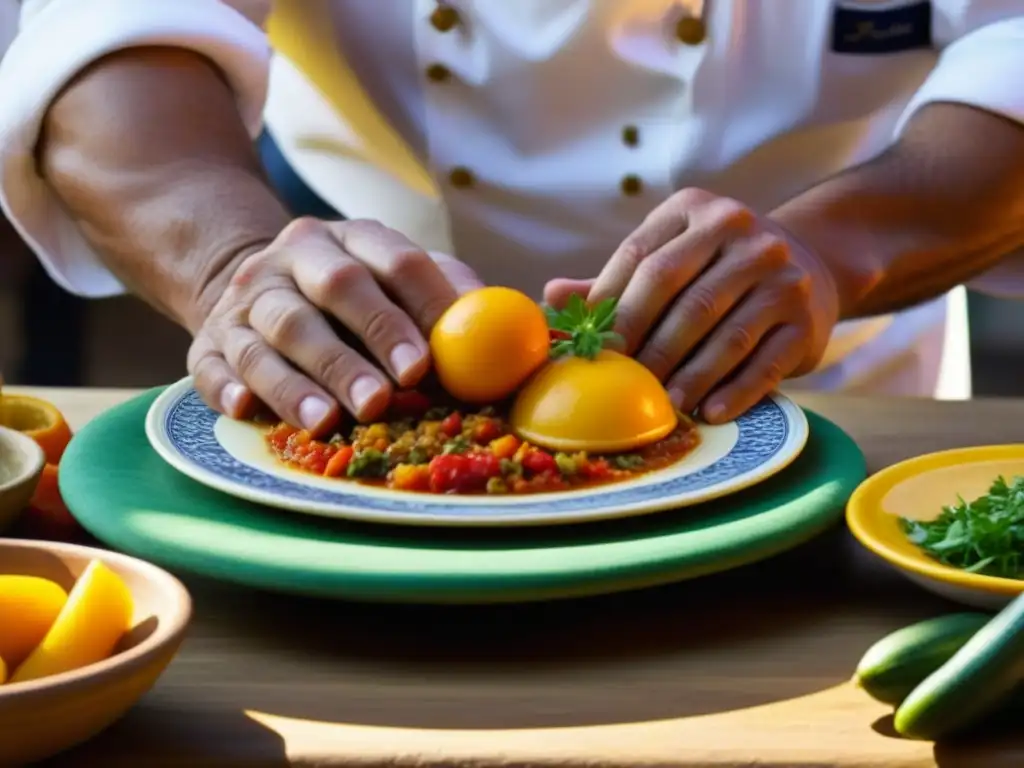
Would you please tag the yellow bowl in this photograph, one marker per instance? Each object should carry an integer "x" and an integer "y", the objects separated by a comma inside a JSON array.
[
  {"x": 918, "y": 488},
  {"x": 42, "y": 717}
]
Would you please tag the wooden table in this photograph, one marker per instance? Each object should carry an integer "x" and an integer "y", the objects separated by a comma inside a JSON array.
[{"x": 747, "y": 668}]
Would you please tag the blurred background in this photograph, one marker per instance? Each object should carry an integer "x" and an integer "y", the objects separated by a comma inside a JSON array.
[{"x": 50, "y": 338}]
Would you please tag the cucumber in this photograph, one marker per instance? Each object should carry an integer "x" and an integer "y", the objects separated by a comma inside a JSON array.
[
  {"x": 977, "y": 680},
  {"x": 896, "y": 664}
]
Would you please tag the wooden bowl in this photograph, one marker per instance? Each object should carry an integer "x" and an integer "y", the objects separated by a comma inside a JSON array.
[
  {"x": 42, "y": 717},
  {"x": 21, "y": 464}
]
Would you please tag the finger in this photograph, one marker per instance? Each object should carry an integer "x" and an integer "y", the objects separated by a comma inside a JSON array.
[
  {"x": 661, "y": 225},
  {"x": 558, "y": 291},
  {"x": 297, "y": 330},
  {"x": 405, "y": 269},
  {"x": 292, "y": 396},
  {"x": 339, "y": 284},
  {"x": 732, "y": 342},
  {"x": 458, "y": 273},
  {"x": 661, "y": 276},
  {"x": 702, "y": 304},
  {"x": 777, "y": 357},
  {"x": 216, "y": 383}
]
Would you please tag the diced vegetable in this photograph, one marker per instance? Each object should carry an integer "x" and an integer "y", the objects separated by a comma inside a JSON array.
[
  {"x": 447, "y": 450},
  {"x": 368, "y": 463}
]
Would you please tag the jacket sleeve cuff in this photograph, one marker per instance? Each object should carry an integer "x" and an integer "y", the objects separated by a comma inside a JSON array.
[{"x": 56, "y": 43}]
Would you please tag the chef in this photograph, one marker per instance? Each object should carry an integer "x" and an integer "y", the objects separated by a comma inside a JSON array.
[{"x": 773, "y": 189}]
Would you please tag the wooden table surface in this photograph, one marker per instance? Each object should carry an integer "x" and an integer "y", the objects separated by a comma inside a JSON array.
[{"x": 741, "y": 669}]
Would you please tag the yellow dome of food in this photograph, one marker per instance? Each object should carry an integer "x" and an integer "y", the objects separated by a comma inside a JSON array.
[{"x": 608, "y": 404}]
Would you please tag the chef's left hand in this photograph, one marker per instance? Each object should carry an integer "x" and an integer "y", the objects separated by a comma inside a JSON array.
[{"x": 720, "y": 303}]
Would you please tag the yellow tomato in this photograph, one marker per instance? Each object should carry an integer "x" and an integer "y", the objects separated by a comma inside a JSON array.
[
  {"x": 606, "y": 405},
  {"x": 95, "y": 617},
  {"x": 488, "y": 343}
]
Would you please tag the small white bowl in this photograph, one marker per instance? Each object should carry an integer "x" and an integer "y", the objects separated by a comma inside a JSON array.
[{"x": 21, "y": 465}]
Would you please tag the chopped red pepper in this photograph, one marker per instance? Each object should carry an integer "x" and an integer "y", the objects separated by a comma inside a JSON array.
[
  {"x": 452, "y": 425},
  {"x": 537, "y": 462}
]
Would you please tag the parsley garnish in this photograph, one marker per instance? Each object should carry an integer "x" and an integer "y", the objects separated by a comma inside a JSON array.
[
  {"x": 589, "y": 330},
  {"x": 981, "y": 536}
]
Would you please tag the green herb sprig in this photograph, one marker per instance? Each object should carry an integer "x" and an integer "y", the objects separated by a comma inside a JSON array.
[
  {"x": 985, "y": 535},
  {"x": 585, "y": 331}
]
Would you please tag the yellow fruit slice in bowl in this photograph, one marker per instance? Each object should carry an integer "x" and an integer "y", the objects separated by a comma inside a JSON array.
[
  {"x": 97, "y": 614},
  {"x": 29, "y": 606}
]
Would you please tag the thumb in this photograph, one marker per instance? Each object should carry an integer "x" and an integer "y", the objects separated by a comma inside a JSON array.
[
  {"x": 460, "y": 275},
  {"x": 558, "y": 291}
]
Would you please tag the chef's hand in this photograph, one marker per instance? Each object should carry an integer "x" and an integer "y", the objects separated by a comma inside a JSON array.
[
  {"x": 719, "y": 303},
  {"x": 268, "y": 336}
]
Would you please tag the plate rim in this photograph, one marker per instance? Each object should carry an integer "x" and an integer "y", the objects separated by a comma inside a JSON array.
[
  {"x": 864, "y": 504},
  {"x": 172, "y": 393}
]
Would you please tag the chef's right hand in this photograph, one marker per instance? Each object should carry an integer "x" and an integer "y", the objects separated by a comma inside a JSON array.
[{"x": 268, "y": 337}]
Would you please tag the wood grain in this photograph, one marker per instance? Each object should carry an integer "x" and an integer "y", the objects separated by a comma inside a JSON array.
[{"x": 746, "y": 668}]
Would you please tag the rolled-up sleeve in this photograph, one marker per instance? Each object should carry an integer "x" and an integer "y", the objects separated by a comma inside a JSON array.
[
  {"x": 984, "y": 68},
  {"x": 59, "y": 38}
]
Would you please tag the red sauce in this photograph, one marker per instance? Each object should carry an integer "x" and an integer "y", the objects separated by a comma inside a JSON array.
[{"x": 445, "y": 450}]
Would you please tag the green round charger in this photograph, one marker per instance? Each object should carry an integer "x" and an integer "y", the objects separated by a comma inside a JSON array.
[{"x": 126, "y": 496}]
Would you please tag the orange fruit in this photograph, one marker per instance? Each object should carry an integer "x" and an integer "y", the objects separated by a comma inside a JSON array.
[
  {"x": 488, "y": 343},
  {"x": 606, "y": 405},
  {"x": 38, "y": 419}
]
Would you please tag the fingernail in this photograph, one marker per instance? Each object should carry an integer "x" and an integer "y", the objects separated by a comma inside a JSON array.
[
  {"x": 362, "y": 391},
  {"x": 714, "y": 412},
  {"x": 675, "y": 395},
  {"x": 312, "y": 411},
  {"x": 232, "y": 399},
  {"x": 404, "y": 357}
]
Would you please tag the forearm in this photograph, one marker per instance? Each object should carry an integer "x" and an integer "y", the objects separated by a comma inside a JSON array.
[
  {"x": 147, "y": 151},
  {"x": 940, "y": 207}
]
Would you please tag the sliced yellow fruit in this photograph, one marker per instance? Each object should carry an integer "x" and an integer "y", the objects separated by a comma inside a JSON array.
[
  {"x": 96, "y": 616},
  {"x": 609, "y": 404},
  {"x": 29, "y": 605}
]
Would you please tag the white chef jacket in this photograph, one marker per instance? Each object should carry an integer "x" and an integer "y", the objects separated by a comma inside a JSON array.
[{"x": 532, "y": 136}]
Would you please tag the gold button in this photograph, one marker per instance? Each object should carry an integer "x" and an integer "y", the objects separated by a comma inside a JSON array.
[
  {"x": 632, "y": 185},
  {"x": 631, "y": 136},
  {"x": 461, "y": 177},
  {"x": 690, "y": 30},
  {"x": 439, "y": 73},
  {"x": 444, "y": 18}
]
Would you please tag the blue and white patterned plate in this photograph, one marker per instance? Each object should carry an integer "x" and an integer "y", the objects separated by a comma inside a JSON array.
[{"x": 232, "y": 457}]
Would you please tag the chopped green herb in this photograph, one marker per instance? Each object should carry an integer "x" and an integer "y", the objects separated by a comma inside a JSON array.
[
  {"x": 496, "y": 485},
  {"x": 369, "y": 463},
  {"x": 437, "y": 413},
  {"x": 985, "y": 535},
  {"x": 458, "y": 444},
  {"x": 627, "y": 461}
]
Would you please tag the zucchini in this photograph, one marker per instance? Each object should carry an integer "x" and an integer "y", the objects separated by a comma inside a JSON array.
[
  {"x": 977, "y": 680},
  {"x": 896, "y": 664}
]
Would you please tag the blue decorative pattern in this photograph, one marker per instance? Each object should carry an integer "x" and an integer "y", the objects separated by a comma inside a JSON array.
[{"x": 189, "y": 425}]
